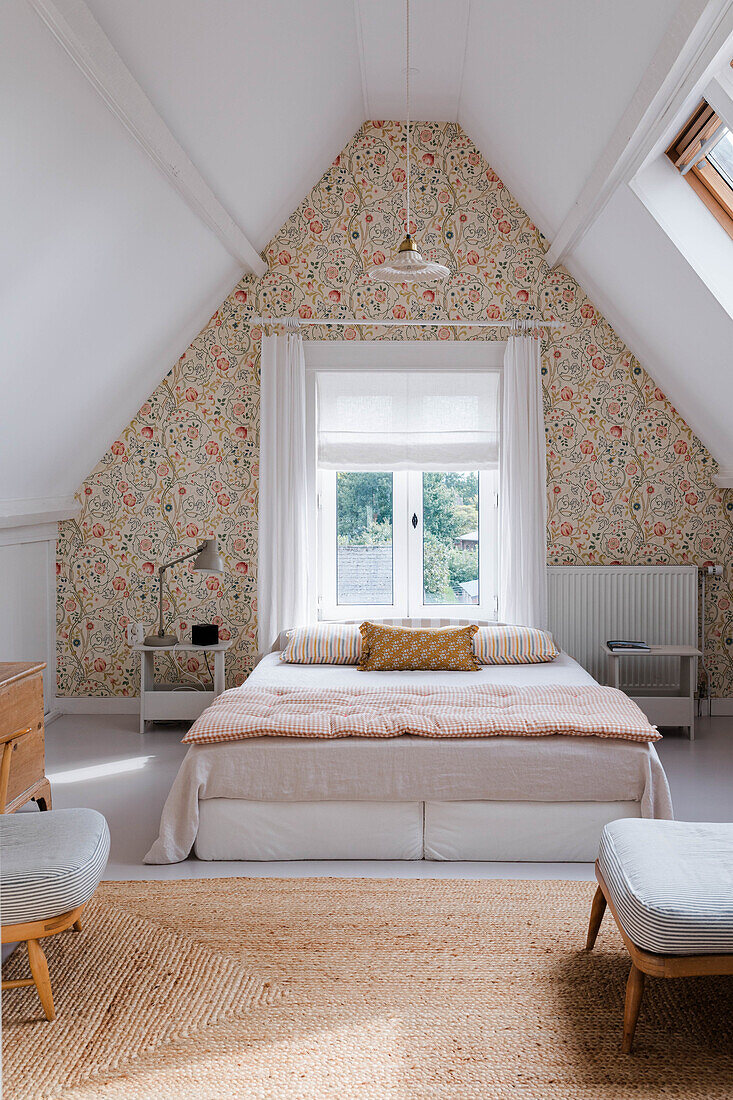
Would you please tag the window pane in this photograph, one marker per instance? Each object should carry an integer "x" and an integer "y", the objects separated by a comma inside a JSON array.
[
  {"x": 721, "y": 157},
  {"x": 364, "y": 532},
  {"x": 450, "y": 538}
]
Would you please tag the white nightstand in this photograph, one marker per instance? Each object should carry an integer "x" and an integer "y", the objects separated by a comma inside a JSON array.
[
  {"x": 158, "y": 702},
  {"x": 674, "y": 709}
]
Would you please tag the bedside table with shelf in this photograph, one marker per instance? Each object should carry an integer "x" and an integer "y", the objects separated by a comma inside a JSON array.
[
  {"x": 675, "y": 708},
  {"x": 171, "y": 703}
]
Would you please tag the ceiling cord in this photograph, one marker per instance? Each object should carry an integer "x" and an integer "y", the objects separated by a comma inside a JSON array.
[{"x": 407, "y": 89}]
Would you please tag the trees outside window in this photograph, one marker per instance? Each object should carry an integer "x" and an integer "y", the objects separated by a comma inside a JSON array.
[{"x": 407, "y": 539}]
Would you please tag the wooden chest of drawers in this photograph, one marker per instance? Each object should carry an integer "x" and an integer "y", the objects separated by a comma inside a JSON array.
[{"x": 21, "y": 708}]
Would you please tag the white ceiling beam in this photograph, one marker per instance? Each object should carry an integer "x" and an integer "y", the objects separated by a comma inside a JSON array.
[
  {"x": 697, "y": 31},
  {"x": 24, "y": 513},
  {"x": 76, "y": 29}
]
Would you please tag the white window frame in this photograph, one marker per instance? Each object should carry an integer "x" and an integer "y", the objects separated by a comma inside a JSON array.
[
  {"x": 488, "y": 552},
  {"x": 328, "y": 605},
  {"x": 407, "y": 554},
  {"x": 401, "y": 355}
]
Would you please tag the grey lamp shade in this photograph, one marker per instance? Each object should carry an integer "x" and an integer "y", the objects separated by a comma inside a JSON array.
[{"x": 208, "y": 560}]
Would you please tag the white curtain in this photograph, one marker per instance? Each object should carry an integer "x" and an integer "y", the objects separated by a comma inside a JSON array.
[
  {"x": 407, "y": 420},
  {"x": 283, "y": 597},
  {"x": 523, "y": 488}
]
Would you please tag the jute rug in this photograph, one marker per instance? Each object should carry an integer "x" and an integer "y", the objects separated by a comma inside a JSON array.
[{"x": 300, "y": 988}]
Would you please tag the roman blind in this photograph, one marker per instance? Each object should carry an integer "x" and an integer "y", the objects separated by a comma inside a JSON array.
[{"x": 402, "y": 420}]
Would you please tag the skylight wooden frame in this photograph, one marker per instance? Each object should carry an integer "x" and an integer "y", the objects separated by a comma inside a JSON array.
[{"x": 703, "y": 177}]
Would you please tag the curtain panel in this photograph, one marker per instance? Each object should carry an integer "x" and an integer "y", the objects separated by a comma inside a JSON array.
[
  {"x": 283, "y": 583},
  {"x": 523, "y": 488}
]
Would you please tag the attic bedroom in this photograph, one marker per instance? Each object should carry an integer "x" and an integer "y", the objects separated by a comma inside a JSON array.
[{"x": 366, "y": 512}]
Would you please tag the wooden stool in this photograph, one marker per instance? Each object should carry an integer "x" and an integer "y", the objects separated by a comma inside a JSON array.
[
  {"x": 31, "y": 933},
  {"x": 703, "y": 922},
  {"x": 52, "y": 863}
]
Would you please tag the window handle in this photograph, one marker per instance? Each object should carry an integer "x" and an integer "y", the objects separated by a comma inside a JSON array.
[{"x": 414, "y": 519}]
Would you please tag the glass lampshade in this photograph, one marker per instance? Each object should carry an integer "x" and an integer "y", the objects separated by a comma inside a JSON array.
[{"x": 408, "y": 266}]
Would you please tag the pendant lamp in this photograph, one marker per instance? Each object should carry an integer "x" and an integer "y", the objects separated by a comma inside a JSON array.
[{"x": 408, "y": 266}]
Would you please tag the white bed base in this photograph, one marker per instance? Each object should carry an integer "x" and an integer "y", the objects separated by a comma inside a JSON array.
[{"x": 233, "y": 828}]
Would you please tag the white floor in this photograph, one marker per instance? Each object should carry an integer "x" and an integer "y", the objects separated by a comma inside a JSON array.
[{"x": 103, "y": 762}]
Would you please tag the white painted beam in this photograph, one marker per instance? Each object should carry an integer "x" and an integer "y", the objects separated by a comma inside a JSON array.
[
  {"x": 76, "y": 29},
  {"x": 24, "y": 513},
  {"x": 697, "y": 31}
]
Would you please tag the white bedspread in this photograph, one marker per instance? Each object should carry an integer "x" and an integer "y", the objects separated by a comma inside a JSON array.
[
  {"x": 272, "y": 672},
  {"x": 551, "y": 769}
]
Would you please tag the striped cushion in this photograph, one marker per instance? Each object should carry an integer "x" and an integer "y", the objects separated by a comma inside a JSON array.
[
  {"x": 323, "y": 644},
  {"x": 671, "y": 883},
  {"x": 513, "y": 645},
  {"x": 50, "y": 862}
]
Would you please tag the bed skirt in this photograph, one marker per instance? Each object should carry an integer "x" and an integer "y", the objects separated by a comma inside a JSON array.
[
  {"x": 234, "y": 828},
  {"x": 491, "y": 780}
]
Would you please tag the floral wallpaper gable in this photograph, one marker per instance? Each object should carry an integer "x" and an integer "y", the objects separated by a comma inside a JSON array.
[{"x": 628, "y": 482}]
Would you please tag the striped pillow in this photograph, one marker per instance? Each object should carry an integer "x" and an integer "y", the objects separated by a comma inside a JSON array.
[
  {"x": 513, "y": 645},
  {"x": 323, "y": 644}
]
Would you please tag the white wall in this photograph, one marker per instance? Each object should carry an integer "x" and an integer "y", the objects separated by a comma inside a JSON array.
[
  {"x": 665, "y": 313},
  {"x": 28, "y": 599},
  {"x": 688, "y": 223}
]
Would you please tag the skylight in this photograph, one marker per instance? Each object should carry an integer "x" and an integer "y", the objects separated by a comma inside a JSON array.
[
  {"x": 721, "y": 158},
  {"x": 703, "y": 154}
]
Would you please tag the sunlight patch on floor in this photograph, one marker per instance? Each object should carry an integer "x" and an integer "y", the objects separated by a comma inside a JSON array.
[{"x": 100, "y": 771}]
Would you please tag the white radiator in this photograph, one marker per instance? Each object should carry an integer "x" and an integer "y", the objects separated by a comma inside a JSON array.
[{"x": 588, "y": 604}]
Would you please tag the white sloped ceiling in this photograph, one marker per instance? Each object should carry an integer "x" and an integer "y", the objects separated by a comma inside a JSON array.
[
  {"x": 109, "y": 274},
  {"x": 106, "y": 272},
  {"x": 261, "y": 95}
]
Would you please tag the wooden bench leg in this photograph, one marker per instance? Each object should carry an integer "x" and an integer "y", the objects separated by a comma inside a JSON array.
[
  {"x": 634, "y": 993},
  {"x": 41, "y": 977},
  {"x": 77, "y": 925},
  {"x": 42, "y": 797},
  {"x": 598, "y": 908}
]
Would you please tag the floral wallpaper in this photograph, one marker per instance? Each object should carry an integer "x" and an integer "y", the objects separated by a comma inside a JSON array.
[{"x": 628, "y": 482}]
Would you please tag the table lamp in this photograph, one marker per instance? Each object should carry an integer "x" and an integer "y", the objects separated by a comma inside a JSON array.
[{"x": 207, "y": 560}]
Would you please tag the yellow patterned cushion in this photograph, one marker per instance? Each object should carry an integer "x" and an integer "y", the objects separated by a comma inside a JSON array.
[{"x": 394, "y": 648}]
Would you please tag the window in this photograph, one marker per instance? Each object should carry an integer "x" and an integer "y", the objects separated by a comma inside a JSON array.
[
  {"x": 407, "y": 484},
  {"x": 703, "y": 153},
  {"x": 407, "y": 542}
]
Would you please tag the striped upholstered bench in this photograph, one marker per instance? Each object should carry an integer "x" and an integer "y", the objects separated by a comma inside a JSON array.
[
  {"x": 50, "y": 865},
  {"x": 669, "y": 885}
]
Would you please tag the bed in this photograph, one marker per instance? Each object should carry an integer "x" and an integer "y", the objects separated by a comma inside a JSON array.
[{"x": 408, "y": 797}]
